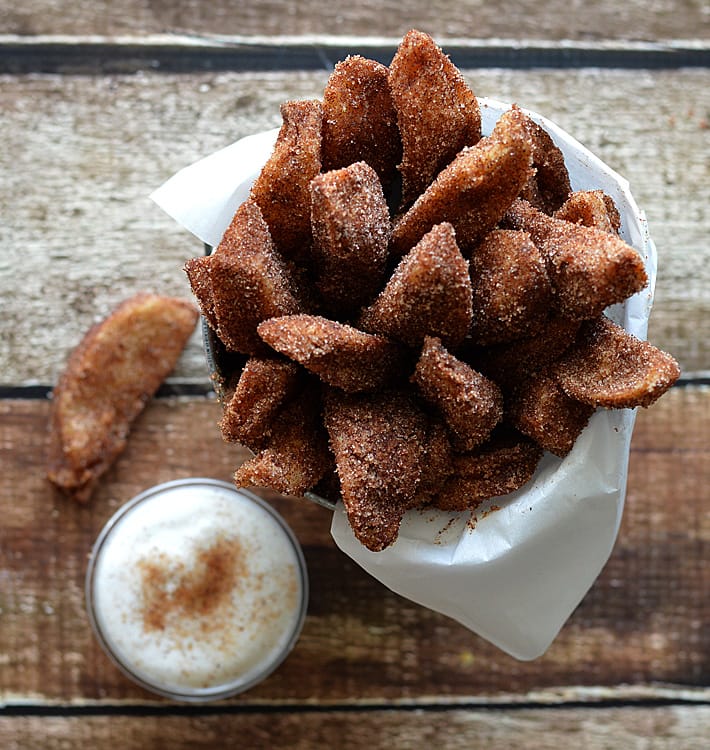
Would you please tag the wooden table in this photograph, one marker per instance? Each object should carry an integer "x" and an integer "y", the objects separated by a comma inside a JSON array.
[{"x": 99, "y": 104}]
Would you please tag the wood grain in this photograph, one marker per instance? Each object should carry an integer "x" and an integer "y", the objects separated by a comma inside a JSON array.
[
  {"x": 553, "y": 19},
  {"x": 663, "y": 728},
  {"x": 643, "y": 622},
  {"x": 81, "y": 155}
]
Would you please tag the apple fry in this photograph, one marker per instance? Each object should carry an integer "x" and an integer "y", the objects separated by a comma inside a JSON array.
[
  {"x": 351, "y": 231},
  {"x": 281, "y": 189},
  {"x": 437, "y": 112},
  {"x": 591, "y": 208},
  {"x": 359, "y": 119},
  {"x": 511, "y": 292},
  {"x": 339, "y": 354},
  {"x": 108, "y": 380},
  {"x": 475, "y": 190},
  {"x": 609, "y": 367},
  {"x": 470, "y": 404},
  {"x": 429, "y": 293}
]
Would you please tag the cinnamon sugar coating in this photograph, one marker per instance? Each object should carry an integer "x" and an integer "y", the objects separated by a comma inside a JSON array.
[
  {"x": 591, "y": 208},
  {"x": 263, "y": 386},
  {"x": 511, "y": 291},
  {"x": 359, "y": 119},
  {"x": 429, "y": 293},
  {"x": 281, "y": 189},
  {"x": 470, "y": 404},
  {"x": 378, "y": 441},
  {"x": 250, "y": 282},
  {"x": 297, "y": 455},
  {"x": 541, "y": 410},
  {"x": 549, "y": 187},
  {"x": 504, "y": 464},
  {"x": 589, "y": 268},
  {"x": 607, "y": 366},
  {"x": 437, "y": 112},
  {"x": 474, "y": 190},
  {"x": 198, "y": 274},
  {"x": 339, "y": 354},
  {"x": 351, "y": 231}
]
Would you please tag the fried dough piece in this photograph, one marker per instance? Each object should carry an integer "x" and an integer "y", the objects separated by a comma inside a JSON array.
[
  {"x": 351, "y": 231},
  {"x": 378, "y": 441},
  {"x": 591, "y": 208},
  {"x": 541, "y": 410},
  {"x": 263, "y": 386},
  {"x": 281, "y": 189},
  {"x": 512, "y": 363},
  {"x": 511, "y": 291},
  {"x": 198, "y": 274},
  {"x": 589, "y": 269},
  {"x": 437, "y": 112},
  {"x": 108, "y": 380},
  {"x": 429, "y": 293},
  {"x": 297, "y": 455},
  {"x": 607, "y": 366},
  {"x": 339, "y": 354},
  {"x": 549, "y": 187},
  {"x": 475, "y": 190},
  {"x": 359, "y": 119},
  {"x": 250, "y": 281},
  {"x": 502, "y": 465},
  {"x": 471, "y": 404}
]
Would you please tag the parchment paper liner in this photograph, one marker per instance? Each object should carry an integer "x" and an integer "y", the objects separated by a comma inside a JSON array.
[{"x": 515, "y": 575}]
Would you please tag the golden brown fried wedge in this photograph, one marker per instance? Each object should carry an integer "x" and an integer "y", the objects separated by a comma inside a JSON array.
[
  {"x": 504, "y": 464},
  {"x": 549, "y": 187},
  {"x": 351, "y": 232},
  {"x": 378, "y": 441},
  {"x": 589, "y": 269},
  {"x": 513, "y": 363},
  {"x": 198, "y": 274},
  {"x": 511, "y": 291},
  {"x": 359, "y": 119},
  {"x": 437, "y": 112},
  {"x": 107, "y": 382},
  {"x": 591, "y": 208},
  {"x": 263, "y": 386},
  {"x": 541, "y": 410},
  {"x": 339, "y": 354},
  {"x": 607, "y": 366},
  {"x": 250, "y": 281},
  {"x": 429, "y": 293},
  {"x": 281, "y": 189},
  {"x": 297, "y": 455},
  {"x": 475, "y": 190},
  {"x": 470, "y": 404}
]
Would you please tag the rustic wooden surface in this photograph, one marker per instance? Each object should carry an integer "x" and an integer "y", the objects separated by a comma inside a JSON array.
[
  {"x": 81, "y": 152},
  {"x": 550, "y": 20}
]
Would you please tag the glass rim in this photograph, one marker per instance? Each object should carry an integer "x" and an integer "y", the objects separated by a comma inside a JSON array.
[{"x": 226, "y": 689}]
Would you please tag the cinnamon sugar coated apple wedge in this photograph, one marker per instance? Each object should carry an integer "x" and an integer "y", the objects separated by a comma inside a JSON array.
[
  {"x": 609, "y": 367},
  {"x": 437, "y": 113},
  {"x": 108, "y": 380}
]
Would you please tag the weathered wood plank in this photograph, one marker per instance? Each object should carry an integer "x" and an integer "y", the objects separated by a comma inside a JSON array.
[
  {"x": 643, "y": 623},
  {"x": 81, "y": 154},
  {"x": 661, "y": 728},
  {"x": 469, "y": 18}
]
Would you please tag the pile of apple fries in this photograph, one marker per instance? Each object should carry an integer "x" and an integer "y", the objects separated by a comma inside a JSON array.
[{"x": 422, "y": 308}]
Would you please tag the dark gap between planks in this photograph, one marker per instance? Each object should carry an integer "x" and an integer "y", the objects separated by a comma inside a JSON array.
[{"x": 106, "y": 57}]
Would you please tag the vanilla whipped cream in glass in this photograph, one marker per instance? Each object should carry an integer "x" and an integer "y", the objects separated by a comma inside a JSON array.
[{"x": 197, "y": 590}]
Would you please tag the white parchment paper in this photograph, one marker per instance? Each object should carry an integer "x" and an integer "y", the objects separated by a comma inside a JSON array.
[{"x": 516, "y": 574}]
